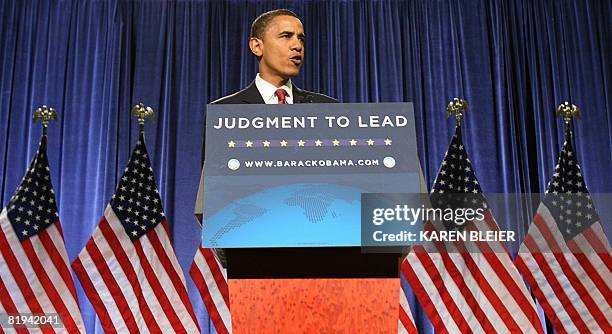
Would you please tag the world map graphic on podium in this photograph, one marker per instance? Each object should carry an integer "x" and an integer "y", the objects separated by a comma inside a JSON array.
[{"x": 312, "y": 214}]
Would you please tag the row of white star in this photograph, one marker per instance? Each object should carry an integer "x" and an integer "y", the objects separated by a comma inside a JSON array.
[{"x": 317, "y": 142}]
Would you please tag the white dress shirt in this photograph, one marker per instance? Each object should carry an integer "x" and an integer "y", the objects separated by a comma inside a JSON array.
[{"x": 268, "y": 90}]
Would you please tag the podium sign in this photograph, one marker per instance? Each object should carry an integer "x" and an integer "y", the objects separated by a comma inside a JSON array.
[{"x": 292, "y": 175}]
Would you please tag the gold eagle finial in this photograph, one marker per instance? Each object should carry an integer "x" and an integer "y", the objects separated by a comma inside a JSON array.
[
  {"x": 567, "y": 111},
  {"x": 459, "y": 107},
  {"x": 141, "y": 113},
  {"x": 45, "y": 114}
]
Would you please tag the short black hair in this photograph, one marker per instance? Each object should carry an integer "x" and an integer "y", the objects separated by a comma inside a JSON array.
[{"x": 259, "y": 26}]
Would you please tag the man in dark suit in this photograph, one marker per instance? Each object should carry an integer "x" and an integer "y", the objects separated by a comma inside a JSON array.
[{"x": 277, "y": 40}]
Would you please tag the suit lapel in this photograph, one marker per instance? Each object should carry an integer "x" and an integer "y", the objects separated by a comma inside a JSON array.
[
  {"x": 299, "y": 95},
  {"x": 251, "y": 95}
]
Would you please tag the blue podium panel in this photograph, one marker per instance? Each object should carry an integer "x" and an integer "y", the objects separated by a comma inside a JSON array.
[{"x": 292, "y": 175}]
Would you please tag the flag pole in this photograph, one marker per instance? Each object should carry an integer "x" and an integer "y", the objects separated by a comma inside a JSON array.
[
  {"x": 45, "y": 114},
  {"x": 141, "y": 113},
  {"x": 459, "y": 107}
]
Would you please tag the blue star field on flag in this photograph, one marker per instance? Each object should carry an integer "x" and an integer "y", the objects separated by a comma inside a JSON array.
[
  {"x": 32, "y": 208},
  {"x": 136, "y": 201},
  {"x": 456, "y": 185},
  {"x": 567, "y": 197}
]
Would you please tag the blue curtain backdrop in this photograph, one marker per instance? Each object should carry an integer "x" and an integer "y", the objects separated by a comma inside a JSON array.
[{"x": 514, "y": 61}]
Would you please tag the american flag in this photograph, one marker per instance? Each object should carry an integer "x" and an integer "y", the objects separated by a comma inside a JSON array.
[
  {"x": 34, "y": 274},
  {"x": 128, "y": 268},
  {"x": 406, "y": 322},
  {"x": 211, "y": 279},
  {"x": 565, "y": 256},
  {"x": 468, "y": 286}
]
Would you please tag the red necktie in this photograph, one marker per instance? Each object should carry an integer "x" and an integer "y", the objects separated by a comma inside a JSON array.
[{"x": 281, "y": 94}]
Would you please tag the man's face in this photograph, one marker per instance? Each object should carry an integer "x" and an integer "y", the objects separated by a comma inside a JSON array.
[{"x": 281, "y": 49}]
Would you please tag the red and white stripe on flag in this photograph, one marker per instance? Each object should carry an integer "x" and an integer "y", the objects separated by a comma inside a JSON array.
[
  {"x": 571, "y": 280},
  {"x": 128, "y": 268},
  {"x": 470, "y": 287},
  {"x": 467, "y": 286},
  {"x": 134, "y": 286},
  {"x": 565, "y": 256},
  {"x": 406, "y": 321},
  {"x": 35, "y": 277},
  {"x": 211, "y": 279}
]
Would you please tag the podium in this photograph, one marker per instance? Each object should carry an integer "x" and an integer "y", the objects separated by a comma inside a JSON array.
[
  {"x": 283, "y": 198},
  {"x": 313, "y": 290}
]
